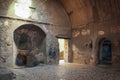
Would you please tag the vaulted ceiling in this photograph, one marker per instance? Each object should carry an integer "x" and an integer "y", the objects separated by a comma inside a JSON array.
[{"x": 83, "y": 12}]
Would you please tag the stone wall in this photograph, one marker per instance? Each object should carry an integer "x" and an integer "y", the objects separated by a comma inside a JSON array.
[
  {"x": 92, "y": 20},
  {"x": 49, "y": 16},
  {"x": 86, "y": 41}
]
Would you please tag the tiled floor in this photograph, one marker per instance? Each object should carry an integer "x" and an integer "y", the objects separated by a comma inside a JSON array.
[{"x": 68, "y": 72}]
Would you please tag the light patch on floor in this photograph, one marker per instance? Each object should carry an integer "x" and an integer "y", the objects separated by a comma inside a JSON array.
[{"x": 61, "y": 61}]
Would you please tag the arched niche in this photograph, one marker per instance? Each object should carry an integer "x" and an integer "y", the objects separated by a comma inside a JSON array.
[
  {"x": 104, "y": 51},
  {"x": 30, "y": 41}
]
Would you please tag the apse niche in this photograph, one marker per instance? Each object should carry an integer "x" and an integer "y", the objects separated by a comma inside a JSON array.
[{"x": 31, "y": 45}]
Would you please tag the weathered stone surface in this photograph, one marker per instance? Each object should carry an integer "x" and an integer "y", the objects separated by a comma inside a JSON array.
[
  {"x": 45, "y": 15},
  {"x": 86, "y": 12},
  {"x": 68, "y": 72},
  {"x": 6, "y": 74},
  {"x": 92, "y": 20}
]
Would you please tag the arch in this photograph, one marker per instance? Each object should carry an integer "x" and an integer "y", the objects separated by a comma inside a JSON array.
[
  {"x": 104, "y": 53},
  {"x": 43, "y": 29},
  {"x": 30, "y": 41}
]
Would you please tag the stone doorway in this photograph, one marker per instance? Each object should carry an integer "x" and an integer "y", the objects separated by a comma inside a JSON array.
[
  {"x": 63, "y": 50},
  {"x": 105, "y": 55},
  {"x": 30, "y": 41}
]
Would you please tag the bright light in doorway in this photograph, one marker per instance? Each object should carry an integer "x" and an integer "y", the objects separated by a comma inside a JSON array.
[
  {"x": 22, "y": 8},
  {"x": 61, "y": 61},
  {"x": 61, "y": 44}
]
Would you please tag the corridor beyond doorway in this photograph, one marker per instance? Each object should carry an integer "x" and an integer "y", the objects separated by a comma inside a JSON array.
[{"x": 63, "y": 50}]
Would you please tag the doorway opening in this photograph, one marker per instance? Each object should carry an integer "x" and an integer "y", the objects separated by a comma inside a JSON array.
[
  {"x": 105, "y": 55},
  {"x": 63, "y": 50}
]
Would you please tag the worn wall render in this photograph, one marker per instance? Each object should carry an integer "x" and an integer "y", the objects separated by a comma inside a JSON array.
[{"x": 49, "y": 16}]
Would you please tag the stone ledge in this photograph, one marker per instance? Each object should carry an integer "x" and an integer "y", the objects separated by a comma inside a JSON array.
[{"x": 6, "y": 74}]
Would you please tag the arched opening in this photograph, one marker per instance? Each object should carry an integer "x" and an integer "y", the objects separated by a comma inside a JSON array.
[
  {"x": 104, "y": 51},
  {"x": 31, "y": 45}
]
